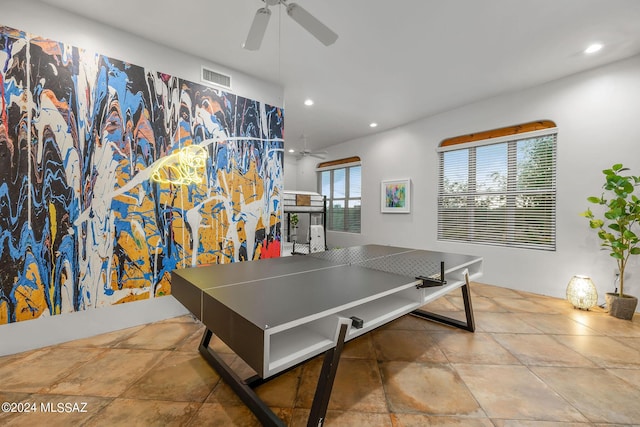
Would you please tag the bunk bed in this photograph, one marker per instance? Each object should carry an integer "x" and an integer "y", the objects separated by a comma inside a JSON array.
[{"x": 310, "y": 210}]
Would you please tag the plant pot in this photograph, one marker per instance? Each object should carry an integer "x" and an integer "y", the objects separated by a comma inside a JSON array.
[{"x": 621, "y": 307}]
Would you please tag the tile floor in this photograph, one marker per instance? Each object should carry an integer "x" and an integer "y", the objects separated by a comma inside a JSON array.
[{"x": 533, "y": 361}]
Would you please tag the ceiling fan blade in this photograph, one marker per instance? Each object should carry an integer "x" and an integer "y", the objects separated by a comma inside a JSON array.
[
  {"x": 257, "y": 30},
  {"x": 311, "y": 24}
]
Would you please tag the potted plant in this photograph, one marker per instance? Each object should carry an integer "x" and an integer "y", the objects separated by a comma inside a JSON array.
[
  {"x": 618, "y": 230},
  {"x": 293, "y": 220}
]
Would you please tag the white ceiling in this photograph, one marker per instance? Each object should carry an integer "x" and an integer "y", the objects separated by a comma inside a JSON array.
[{"x": 394, "y": 61}]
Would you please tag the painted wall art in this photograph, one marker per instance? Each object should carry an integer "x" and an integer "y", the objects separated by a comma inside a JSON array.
[
  {"x": 113, "y": 175},
  {"x": 395, "y": 196}
]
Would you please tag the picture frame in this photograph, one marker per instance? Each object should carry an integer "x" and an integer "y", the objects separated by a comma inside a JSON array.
[{"x": 395, "y": 196}]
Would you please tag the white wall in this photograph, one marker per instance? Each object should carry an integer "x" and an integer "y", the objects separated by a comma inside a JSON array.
[
  {"x": 42, "y": 20},
  {"x": 597, "y": 114}
]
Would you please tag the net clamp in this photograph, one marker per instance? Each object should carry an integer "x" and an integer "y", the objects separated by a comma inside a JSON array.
[
  {"x": 430, "y": 282},
  {"x": 433, "y": 280}
]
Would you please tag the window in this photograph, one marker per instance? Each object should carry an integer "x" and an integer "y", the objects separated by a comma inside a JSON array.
[
  {"x": 340, "y": 182},
  {"x": 500, "y": 191}
]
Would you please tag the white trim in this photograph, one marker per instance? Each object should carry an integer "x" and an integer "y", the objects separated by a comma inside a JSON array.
[
  {"x": 51, "y": 330},
  {"x": 506, "y": 138}
]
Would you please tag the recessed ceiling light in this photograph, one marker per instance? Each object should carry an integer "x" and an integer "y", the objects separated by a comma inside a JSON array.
[
  {"x": 593, "y": 48},
  {"x": 308, "y": 102},
  {"x": 291, "y": 150},
  {"x": 373, "y": 125}
]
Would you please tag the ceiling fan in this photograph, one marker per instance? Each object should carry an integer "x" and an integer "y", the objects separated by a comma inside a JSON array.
[
  {"x": 306, "y": 20},
  {"x": 306, "y": 152}
]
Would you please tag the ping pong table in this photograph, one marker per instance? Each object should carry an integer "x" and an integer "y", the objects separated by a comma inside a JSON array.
[{"x": 278, "y": 313}]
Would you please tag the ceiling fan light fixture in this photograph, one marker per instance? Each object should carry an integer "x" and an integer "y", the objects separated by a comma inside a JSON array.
[
  {"x": 309, "y": 22},
  {"x": 258, "y": 29}
]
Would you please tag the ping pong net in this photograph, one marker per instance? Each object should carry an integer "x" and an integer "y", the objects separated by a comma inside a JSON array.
[{"x": 421, "y": 265}]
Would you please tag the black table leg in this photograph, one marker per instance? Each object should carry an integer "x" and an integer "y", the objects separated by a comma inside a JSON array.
[
  {"x": 244, "y": 388},
  {"x": 264, "y": 414},
  {"x": 469, "y": 325},
  {"x": 325, "y": 381}
]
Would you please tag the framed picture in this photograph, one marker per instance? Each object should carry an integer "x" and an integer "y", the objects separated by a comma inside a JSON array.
[{"x": 395, "y": 196}]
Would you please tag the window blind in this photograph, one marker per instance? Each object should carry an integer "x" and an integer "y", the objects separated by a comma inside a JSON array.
[{"x": 500, "y": 191}]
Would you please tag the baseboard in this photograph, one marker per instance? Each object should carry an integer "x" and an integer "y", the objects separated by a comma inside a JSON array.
[{"x": 51, "y": 330}]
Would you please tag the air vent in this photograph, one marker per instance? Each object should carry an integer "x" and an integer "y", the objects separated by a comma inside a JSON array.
[{"x": 216, "y": 78}]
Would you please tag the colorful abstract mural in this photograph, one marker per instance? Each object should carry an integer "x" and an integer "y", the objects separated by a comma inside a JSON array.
[{"x": 113, "y": 175}]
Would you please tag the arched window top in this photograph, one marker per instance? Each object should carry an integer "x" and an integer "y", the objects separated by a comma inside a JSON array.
[
  {"x": 496, "y": 133},
  {"x": 338, "y": 163}
]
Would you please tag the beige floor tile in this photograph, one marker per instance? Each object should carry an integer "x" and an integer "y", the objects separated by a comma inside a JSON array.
[
  {"x": 432, "y": 389},
  {"x": 541, "y": 350},
  {"x": 344, "y": 419},
  {"x": 492, "y": 291},
  {"x": 154, "y": 375},
  {"x": 599, "y": 395},
  {"x": 223, "y": 394},
  {"x": 160, "y": 336},
  {"x": 55, "y": 411},
  {"x": 179, "y": 377},
  {"x": 12, "y": 398},
  {"x": 557, "y": 324},
  {"x": 359, "y": 348},
  {"x": 281, "y": 391},
  {"x": 503, "y": 323},
  {"x": 604, "y": 351},
  {"x": 40, "y": 369},
  {"x": 143, "y": 413},
  {"x": 215, "y": 414},
  {"x": 441, "y": 304},
  {"x": 513, "y": 392},
  {"x": 357, "y": 386},
  {"x": 633, "y": 342},
  {"x": 474, "y": 348},
  {"x": 104, "y": 340},
  {"x": 408, "y": 322},
  {"x": 607, "y": 324},
  {"x": 411, "y": 346},
  {"x": 109, "y": 374},
  {"x": 479, "y": 303},
  {"x": 192, "y": 342},
  {"x": 554, "y": 305},
  {"x": 632, "y": 376},
  {"x": 419, "y": 420},
  {"x": 532, "y": 423},
  {"x": 522, "y": 305}
]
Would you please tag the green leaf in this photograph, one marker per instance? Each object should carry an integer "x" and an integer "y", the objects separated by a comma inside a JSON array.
[
  {"x": 628, "y": 187},
  {"x": 617, "y": 244},
  {"x": 617, "y": 166},
  {"x": 593, "y": 199},
  {"x": 596, "y": 223}
]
